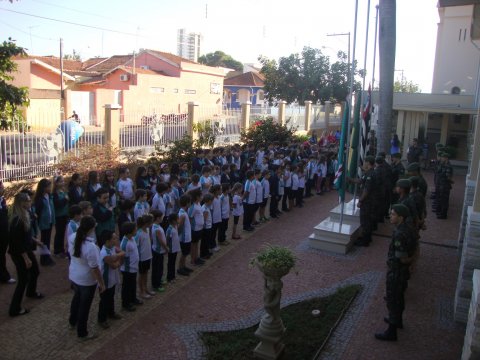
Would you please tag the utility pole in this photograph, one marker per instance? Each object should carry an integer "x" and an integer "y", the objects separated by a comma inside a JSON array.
[{"x": 62, "y": 95}]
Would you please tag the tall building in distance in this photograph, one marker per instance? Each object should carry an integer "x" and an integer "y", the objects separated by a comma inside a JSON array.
[{"x": 188, "y": 44}]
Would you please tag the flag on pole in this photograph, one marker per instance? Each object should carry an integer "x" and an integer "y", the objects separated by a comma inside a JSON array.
[
  {"x": 366, "y": 115},
  {"x": 340, "y": 173},
  {"x": 354, "y": 139}
]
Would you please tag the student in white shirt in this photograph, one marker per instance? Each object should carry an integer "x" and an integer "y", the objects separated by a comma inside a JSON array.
[
  {"x": 205, "y": 179},
  {"x": 197, "y": 221},
  {"x": 173, "y": 243},
  {"x": 129, "y": 267},
  {"x": 125, "y": 185},
  {"x": 266, "y": 194},
  {"x": 141, "y": 206},
  {"x": 85, "y": 276},
  {"x": 301, "y": 185},
  {"x": 249, "y": 200},
  {"x": 259, "y": 195},
  {"x": 216, "y": 191},
  {"x": 110, "y": 261},
  {"x": 142, "y": 238},
  {"x": 287, "y": 180},
  {"x": 237, "y": 205},
  {"x": 225, "y": 210},
  {"x": 185, "y": 235},
  {"x": 159, "y": 248},
  {"x": 75, "y": 214},
  {"x": 207, "y": 226}
]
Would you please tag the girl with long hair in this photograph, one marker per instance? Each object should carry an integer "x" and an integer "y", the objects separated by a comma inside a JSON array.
[
  {"x": 85, "y": 275},
  {"x": 60, "y": 202},
  {"x": 93, "y": 184},
  {"x": 45, "y": 210},
  {"x": 21, "y": 251}
]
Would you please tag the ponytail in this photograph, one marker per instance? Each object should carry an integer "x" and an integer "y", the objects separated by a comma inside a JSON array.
[{"x": 86, "y": 225}]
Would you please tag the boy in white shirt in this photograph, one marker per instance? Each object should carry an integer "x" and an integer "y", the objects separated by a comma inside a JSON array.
[
  {"x": 159, "y": 248},
  {"x": 173, "y": 243},
  {"x": 205, "y": 179},
  {"x": 225, "y": 211},
  {"x": 142, "y": 239},
  {"x": 266, "y": 194},
  {"x": 110, "y": 261},
  {"x": 197, "y": 222},
  {"x": 237, "y": 205},
  {"x": 249, "y": 201},
  {"x": 125, "y": 185},
  {"x": 129, "y": 267},
  {"x": 185, "y": 235},
  {"x": 216, "y": 191},
  {"x": 259, "y": 195},
  {"x": 207, "y": 226},
  {"x": 141, "y": 206}
]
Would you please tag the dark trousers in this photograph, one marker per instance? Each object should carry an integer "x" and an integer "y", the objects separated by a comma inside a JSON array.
[
  {"x": 27, "y": 279},
  {"x": 395, "y": 290},
  {"x": 222, "y": 231},
  {"x": 204, "y": 242},
  {"x": 157, "y": 270},
  {"x": 213, "y": 242},
  {"x": 4, "y": 274},
  {"x": 443, "y": 199},
  {"x": 274, "y": 205},
  {"x": 367, "y": 217},
  {"x": 299, "y": 196},
  {"x": 285, "y": 198},
  {"x": 106, "y": 307},
  {"x": 80, "y": 307},
  {"x": 58, "y": 241},
  {"x": 308, "y": 187},
  {"x": 172, "y": 259},
  {"x": 249, "y": 211},
  {"x": 45, "y": 236},
  {"x": 129, "y": 288}
]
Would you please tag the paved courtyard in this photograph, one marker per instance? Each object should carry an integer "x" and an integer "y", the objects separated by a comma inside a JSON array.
[{"x": 227, "y": 294}]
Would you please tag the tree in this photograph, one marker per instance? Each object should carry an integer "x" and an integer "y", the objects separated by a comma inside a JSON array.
[
  {"x": 307, "y": 76},
  {"x": 219, "y": 58},
  {"x": 11, "y": 97},
  {"x": 73, "y": 56},
  {"x": 387, "y": 38},
  {"x": 405, "y": 86}
]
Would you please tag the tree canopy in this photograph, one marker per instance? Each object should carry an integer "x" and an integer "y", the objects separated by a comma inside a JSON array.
[
  {"x": 10, "y": 96},
  {"x": 219, "y": 58},
  {"x": 307, "y": 76},
  {"x": 73, "y": 56},
  {"x": 406, "y": 86}
]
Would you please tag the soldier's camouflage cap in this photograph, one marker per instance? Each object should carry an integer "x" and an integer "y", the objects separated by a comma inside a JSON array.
[
  {"x": 414, "y": 181},
  {"x": 379, "y": 159},
  {"x": 413, "y": 167},
  {"x": 404, "y": 184},
  {"x": 401, "y": 210}
]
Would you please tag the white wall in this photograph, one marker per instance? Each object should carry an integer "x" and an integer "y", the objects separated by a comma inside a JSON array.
[{"x": 456, "y": 58}]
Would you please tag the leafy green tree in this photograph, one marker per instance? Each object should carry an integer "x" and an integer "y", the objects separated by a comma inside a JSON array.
[
  {"x": 73, "y": 56},
  {"x": 307, "y": 76},
  {"x": 11, "y": 97},
  {"x": 219, "y": 58},
  {"x": 406, "y": 86}
]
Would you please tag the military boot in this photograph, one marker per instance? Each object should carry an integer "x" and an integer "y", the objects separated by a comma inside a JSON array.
[
  {"x": 399, "y": 325},
  {"x": 389, "y": 335}
]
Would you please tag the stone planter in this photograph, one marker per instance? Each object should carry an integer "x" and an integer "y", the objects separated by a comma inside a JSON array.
[{"x": 271, "y": 329}]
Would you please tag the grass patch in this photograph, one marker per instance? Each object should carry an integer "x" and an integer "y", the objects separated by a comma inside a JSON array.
[{"x": 305, "y": 334}]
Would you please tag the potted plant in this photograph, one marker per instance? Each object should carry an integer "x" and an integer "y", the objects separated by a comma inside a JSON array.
[{"x": 275, "y": 261}]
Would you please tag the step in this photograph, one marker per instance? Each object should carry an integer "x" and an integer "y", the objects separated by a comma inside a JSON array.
[
  {"x": 350, "y": 213},
  {"x": 329, "y": 236}
]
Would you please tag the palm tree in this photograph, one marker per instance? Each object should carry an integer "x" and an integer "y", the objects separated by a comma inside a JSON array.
[{"x": 387, "y": 37}]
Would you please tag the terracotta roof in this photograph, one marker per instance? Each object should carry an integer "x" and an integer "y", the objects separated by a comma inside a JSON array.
[
  {"x": 55, "y": 62},
  {"x": 232, "y": 74},
  {"x": 173, "y": 58},
  {"x": 92, "y": 61},
  {"x": 139, "y": 70},
  {"x": 110, "y": 63},
  {"x": 93, "y": 80},
  {"x": 83, "y": 73},
  {"x": 247, "y": 79}
]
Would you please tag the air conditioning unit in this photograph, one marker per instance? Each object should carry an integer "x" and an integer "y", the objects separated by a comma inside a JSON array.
[
  {"x": 145, "y": 67},
  {"x": 124, "y": 77}
]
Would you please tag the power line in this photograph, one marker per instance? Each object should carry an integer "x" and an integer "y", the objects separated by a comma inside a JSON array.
[
  {"x": 72, "y": 23},
  {"x": 27, "y": 33},
  {"x": 83, "y": 12}
]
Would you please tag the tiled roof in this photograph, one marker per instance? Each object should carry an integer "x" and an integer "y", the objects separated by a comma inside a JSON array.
[
  {"x": 92, "y": 61},
  {"x": 173, "y": 58},
  {"x": 139, "y": 70},
  {"x": 55, "y": 62},
  {"x": 92, "y": 80},
  {"x": 247, "y": 79},
  {"x": 110, "y": 63}
]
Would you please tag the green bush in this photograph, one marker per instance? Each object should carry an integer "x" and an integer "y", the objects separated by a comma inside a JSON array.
[
  {"x": 265, "y": 131},
  {"x": 178, "y": 151},
  {"x": 451, "y": 151}
]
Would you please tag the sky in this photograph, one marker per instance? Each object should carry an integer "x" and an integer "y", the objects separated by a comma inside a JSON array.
[{"x": 243, "y": 29}]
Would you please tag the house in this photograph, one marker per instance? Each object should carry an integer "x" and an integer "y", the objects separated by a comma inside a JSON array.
[
  {"x": 241, "y": 88},
  {"x": 143, "y": 84}
]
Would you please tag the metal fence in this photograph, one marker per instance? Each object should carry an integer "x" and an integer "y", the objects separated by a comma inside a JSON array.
[{"x": 225, "y": 125}]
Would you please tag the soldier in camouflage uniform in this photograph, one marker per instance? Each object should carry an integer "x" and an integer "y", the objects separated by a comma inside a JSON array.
[
  {"x": 388, "y": 185},
  {"x": 444, "y": 185},
  {"x": 400, "y": 253},
  {"x": 398, "y": 172},
  {"x": 413, "y": 169},
  {"x": 419, "y": 201},
  {"x": 366, "y": 201}
]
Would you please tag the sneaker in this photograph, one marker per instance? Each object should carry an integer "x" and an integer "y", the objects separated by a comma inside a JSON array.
[
  {"x": 199, "y": 262},
  {"x": 11, "y": 281},
  {"x": 216, "y": 248},
  {"x": 115, "y": 316},
  {"x": 146, "y": 296},
  {"x": 151, "y": 293},
  {"x": 104, "y": 325},
  {"x": 163, "y": 282},
  {"x": 90, "y": 336},
  {"x": 159, "y": 289},
  {"x": 183, "y": 272},
  {"x": 138, "y": 302}
]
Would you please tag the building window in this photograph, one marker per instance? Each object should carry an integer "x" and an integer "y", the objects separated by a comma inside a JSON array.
[
  {"x": 157, "y": 90},
  {"x": 260, "y": 95},
  {"x": 190, "y": 91},
  {"x": 215, "y": 88}
]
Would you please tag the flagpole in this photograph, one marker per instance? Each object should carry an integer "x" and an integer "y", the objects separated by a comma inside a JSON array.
[
  {"x": 350, "y": 96},
  {"x": 375, "y": 48},
  {"x": 361, "y": 153}
]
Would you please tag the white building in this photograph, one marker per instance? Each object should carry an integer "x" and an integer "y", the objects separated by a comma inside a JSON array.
[
  {"x": 188, "y": 44},
  {"x": 456, "y": 57}
]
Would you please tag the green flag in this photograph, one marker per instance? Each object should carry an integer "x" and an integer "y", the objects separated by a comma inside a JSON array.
[
  {"x": 340, "y": 173},
  {"x": 354, "y": 141}
]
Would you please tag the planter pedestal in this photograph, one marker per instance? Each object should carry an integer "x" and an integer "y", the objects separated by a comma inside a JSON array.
[{"x": 271, "y": 329}]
